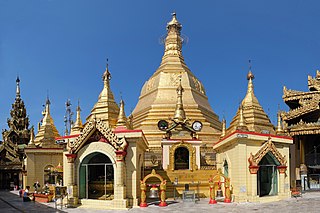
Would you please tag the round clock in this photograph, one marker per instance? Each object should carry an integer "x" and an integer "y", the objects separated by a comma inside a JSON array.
[
  {"x": 197, "y": 126},
  {"x": 163, "y": 125}
]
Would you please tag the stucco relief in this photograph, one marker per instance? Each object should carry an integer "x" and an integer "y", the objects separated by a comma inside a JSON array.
[
  {"x": 269, "y": 146},
  {"x": 89, "y": 129},
  {"x": 198, "y": 85},
  {"x": 174, "y": 79},
  {"x": 150, "y": 84}
]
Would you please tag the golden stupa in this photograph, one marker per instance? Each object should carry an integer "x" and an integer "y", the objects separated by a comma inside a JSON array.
[{"x": 158, "y": 98}]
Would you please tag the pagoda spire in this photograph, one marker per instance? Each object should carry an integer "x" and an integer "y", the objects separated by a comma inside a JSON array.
[
  {"x": 223, "y": 132},
  {"x": 18, "y": 121},
  {"x": 18, "y": 88},
  {"x": 47, "y": 132},
  {"x": 106, "y": 77},
  {"x": 179, "y": 115},
  {"x": 256, "y": 120},
  {"x": 250, "y": 77},
  {"x": 78, "y": 126},
  {"x": 279, "y": 124},
  {"x": 31, "y": 142},
  {"x": 122, "y": 119},
  {"x": 105, "y": 108},
  {"x": 173, "y": 41}
]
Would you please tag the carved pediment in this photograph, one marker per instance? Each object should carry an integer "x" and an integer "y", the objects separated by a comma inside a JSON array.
[
  {"x": 96, "y": 130},
  {"x": 269, "y": 146}
]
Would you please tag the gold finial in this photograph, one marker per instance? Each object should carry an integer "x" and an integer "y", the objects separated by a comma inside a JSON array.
[
  {"x": 250, "y": 77},
  {"x": 122, "y": 119},
  {"x": 106, "y": 77},
  {"x": 179, "y": 115},
  {"x": 174, "y": 23},
  {"x": 47, "y": 106},
  {"x": 18, "y": 88}
]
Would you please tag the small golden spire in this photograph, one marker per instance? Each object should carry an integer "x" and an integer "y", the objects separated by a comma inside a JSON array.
[
  {"x": 47, "y": 132},
  {"x": 31, "y": 142},
  {"x": 78, "y": 126},
  {"x": 122, "y": 119},
  {"x": 18, "y": 88},
  {"x": 241, "y": 119},
  {"x": 223, "y": 132},
  {"x": 179, "y": 115},
  {"x": 279, "y": 123},
  {"x": 242, "y": 123}
]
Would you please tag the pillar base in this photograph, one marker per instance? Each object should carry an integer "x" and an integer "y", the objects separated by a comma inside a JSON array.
[
  {"x": 162, "y": 204},
  {"x": 142, "y": 205},
  {"x": 227, "y": 200},
  {"x": 212, "y": 201}
]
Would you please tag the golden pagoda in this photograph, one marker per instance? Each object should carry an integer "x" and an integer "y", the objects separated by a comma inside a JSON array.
[
  {"x": 42, "y": 152},
  {"x": 250, "y": 115},
  {"x": 77, "y": 126},
  {"x": 47, "y": 132},
  {"x": 106, "y": 108},
  {"x": 158, "y": 96}
]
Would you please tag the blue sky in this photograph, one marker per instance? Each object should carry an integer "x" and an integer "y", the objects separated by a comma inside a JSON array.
[{"x": 60, "y": 47}]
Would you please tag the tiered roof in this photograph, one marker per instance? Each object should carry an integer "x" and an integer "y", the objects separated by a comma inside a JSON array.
[{"x": 250, "y": 115}]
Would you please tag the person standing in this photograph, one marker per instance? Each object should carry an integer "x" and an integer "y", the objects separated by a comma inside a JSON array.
[{"x": 36, "y": 186}]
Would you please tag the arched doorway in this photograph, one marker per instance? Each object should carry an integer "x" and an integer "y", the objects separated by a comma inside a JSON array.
[
  {"x": 181, "y": 158},
  {"x": 96, "y": 177},
  {"x": 268, "y": 175}
]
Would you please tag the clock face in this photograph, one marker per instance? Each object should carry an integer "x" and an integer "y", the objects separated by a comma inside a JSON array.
[
  {"x": 163, "y": 125},
  {"x": 197, "y": 126}
]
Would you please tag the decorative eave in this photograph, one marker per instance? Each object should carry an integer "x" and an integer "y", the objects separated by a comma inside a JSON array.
[
  {"x": 293, "y": 95},
  {"x": 303, "y": 128},
  {"x": 314, "y": 83},
  {"x": 89, "y": 129},
  {"x": 307, "y": 107},
  {"x": 267, "y": 147}
]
